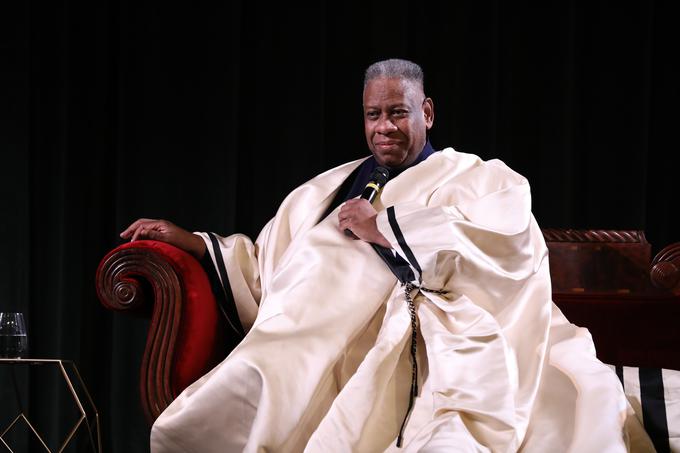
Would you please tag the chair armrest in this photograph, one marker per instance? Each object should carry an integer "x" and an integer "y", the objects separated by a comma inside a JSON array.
[
  {"x": 665, "y": 268},
  {"x": 186, "y": 335}
]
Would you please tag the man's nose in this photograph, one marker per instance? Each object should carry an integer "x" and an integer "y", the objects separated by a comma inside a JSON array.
[{"x": 385, "y": 125}]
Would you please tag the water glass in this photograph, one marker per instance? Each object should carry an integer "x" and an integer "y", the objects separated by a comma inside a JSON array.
[{"x": 13, "y": 338}]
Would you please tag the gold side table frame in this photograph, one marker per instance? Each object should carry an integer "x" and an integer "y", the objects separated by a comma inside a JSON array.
[{"x": 62, "y": 365}]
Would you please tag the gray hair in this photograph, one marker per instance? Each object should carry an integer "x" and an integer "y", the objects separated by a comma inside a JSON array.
[{"x": 397, "y": 69}]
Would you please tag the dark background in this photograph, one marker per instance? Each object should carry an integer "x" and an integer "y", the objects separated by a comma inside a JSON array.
[{"x": 209, "y": 114}]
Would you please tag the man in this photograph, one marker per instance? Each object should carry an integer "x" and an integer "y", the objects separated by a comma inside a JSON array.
[{"x": 431, "y": 329}]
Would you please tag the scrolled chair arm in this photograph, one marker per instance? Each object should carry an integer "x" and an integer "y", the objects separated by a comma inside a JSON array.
[
  {"x": 124, "y": 276},
  {"x": 185, "y": 337},
  {"x": 665, "y": 268}
]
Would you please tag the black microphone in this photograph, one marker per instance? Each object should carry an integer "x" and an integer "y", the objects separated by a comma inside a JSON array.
[
  {"x": 377, "y": 180},
  {"x": 375, "y": 184}
]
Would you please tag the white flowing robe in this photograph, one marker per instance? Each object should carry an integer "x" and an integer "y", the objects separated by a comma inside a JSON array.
[{"x": 325, "y": 365}]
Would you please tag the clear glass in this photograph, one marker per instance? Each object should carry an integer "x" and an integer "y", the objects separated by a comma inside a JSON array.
[{"x": 13, "y": 336}]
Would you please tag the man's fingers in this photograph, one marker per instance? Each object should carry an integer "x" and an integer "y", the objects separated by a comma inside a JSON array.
[
  {"x": 137, "y": 233},
  {"x": 134, "y": 226},
  {"x": 152, "y": 234},
  {"x": 345, "y": 217},
  {"x": 347, "y": 211},
  {"x": 146, "y": 231}
]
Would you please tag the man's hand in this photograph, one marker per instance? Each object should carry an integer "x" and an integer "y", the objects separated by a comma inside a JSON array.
[
  {"x": 358, "y": 216},
  {"x": 163, "y": 230}
]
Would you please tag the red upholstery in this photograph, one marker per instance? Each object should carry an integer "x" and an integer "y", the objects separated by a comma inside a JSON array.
[
  {"x": 186, "y": 337},
  {"x": 198, "y": 331}
]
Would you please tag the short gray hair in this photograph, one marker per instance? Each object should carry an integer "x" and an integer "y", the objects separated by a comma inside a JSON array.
[{"x": 397, "y": 69}]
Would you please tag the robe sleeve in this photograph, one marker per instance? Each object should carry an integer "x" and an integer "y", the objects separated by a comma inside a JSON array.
[
  {"x": 483, "y": 245},
  {"x": 236, "y": 262},
  {"x": 476, "y": 239}
]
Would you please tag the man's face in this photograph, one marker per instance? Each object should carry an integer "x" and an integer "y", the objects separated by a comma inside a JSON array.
[{"x": 396, "y": 118}]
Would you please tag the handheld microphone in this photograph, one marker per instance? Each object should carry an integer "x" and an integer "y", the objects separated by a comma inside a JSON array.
[{"x": 375, "y": 184}]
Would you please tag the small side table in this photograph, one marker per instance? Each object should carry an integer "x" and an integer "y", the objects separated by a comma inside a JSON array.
[{"x": 70, "y": 374}]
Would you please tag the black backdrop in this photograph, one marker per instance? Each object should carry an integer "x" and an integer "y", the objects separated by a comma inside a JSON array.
[{"x": 209, "y": 114}]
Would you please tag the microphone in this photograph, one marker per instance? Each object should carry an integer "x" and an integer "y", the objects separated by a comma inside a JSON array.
[{"x": 375, "y": 184}]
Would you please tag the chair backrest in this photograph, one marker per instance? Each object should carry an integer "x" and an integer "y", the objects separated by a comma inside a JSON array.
[
  {"x": 599, "y": 261},
  {"x": 605, "y": 281}
]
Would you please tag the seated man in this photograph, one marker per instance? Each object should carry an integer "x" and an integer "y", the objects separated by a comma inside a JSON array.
[{"x": 430, "y": 328}]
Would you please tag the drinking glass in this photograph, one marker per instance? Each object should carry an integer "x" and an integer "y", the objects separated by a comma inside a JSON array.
[{"x": 13, "y": 338}]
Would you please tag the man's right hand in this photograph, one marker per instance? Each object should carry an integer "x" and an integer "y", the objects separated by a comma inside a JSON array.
[{"x": 163, "y": 230}]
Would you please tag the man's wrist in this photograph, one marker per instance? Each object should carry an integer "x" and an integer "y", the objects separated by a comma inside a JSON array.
[
  {"x": 379, "y": 238},
  {"x": 382, "y": 241},
  {"x": 197, "y": 246}
]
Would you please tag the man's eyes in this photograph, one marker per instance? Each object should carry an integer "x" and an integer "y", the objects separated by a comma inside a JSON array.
[{"x": 398, "y": 113}]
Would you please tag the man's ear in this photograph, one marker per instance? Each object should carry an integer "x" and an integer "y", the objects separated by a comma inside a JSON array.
[{"x": 428, "y": 112}]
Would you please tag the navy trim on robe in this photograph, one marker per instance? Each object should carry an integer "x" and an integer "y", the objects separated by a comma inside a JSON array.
[
  {"x": 222, "y": 290},
  {"x": 391, "y": 217},
  {"x": 396, "y": 263},
  {"x": 654, "y": 407}
]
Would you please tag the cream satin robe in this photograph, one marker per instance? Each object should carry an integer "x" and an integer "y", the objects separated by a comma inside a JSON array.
[{"x": 325, "y": 366}]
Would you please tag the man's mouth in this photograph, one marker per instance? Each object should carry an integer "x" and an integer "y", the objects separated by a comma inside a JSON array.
[{"x": 386, "y": 145}]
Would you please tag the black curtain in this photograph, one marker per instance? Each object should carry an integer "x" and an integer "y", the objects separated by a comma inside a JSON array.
[{"x": 208, "y": 114}]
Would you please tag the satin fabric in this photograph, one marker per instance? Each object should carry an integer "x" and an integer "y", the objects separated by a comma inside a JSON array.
[{"x": 325, "y": 364}]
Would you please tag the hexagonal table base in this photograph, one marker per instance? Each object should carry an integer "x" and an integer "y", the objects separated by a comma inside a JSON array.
[{"x": 93, "y": 429}]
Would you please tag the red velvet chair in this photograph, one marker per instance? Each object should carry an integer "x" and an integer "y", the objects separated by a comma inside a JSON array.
[
  {"x": 602, "y": 280},
  {"x": 186, "y": 337}
]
